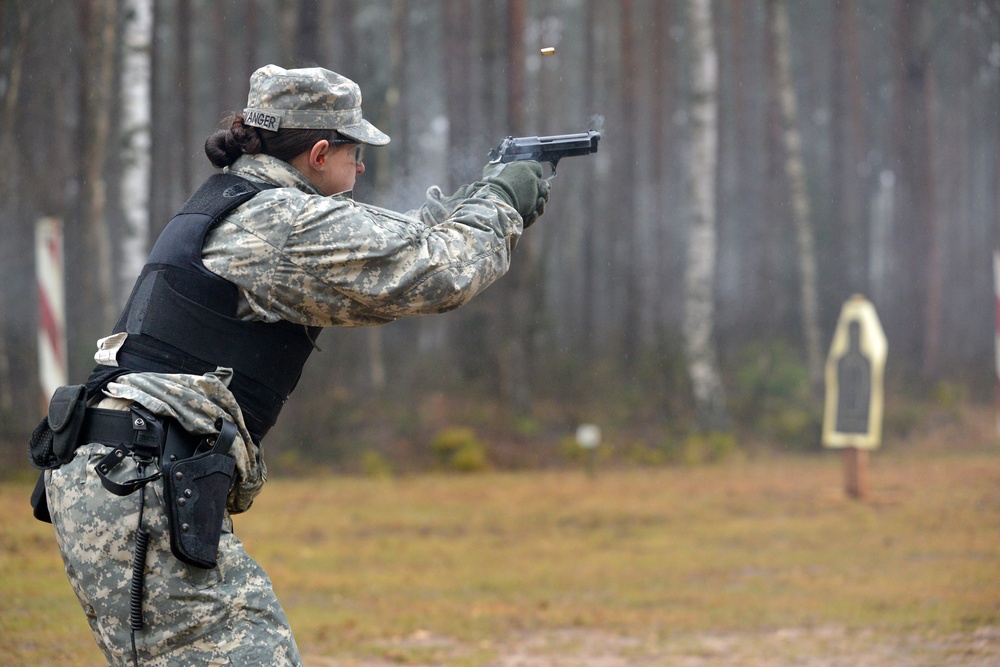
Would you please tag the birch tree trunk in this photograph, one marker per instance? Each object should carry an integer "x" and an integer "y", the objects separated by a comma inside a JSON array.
[
  {"x": 699, "y": 309},
  {"x": 795, "y": 172},
  {"x": 136, "y": 128}
]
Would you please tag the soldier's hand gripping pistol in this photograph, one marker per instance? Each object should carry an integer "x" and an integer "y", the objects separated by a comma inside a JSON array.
[{"x": 545, "y": 149}]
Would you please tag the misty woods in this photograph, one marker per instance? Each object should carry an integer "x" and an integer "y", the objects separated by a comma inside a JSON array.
[{"x": 761, "y": 162}]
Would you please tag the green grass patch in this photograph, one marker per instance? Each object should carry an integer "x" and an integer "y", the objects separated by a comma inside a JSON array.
[{"x": 405, "y": 569}]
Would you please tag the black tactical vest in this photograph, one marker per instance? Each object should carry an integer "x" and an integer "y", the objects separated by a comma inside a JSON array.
[{"x": 181, "y": 317}]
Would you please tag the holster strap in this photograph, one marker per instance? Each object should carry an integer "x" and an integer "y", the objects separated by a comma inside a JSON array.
[
  {"x": 137, "y": 433},
  {"x": 109, "y": 463}
]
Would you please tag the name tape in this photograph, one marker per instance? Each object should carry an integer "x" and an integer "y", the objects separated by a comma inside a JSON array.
[{"x": 262, "y": 119}]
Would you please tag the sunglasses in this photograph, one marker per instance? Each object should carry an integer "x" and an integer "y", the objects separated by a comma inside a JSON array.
[{"x": 359, "y": 151}]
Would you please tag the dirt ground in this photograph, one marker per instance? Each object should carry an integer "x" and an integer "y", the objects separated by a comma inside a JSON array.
[{"x": 798, "y": 647}]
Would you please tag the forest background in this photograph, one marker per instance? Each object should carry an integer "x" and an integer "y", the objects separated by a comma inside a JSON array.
[{"x": 762, "y": 161}]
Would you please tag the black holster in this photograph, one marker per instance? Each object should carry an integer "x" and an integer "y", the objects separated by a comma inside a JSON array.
[{"x": 195, "y": 492}]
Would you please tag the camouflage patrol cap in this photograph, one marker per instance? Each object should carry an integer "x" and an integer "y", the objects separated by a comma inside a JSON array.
[{"x": 309, "y": 98}]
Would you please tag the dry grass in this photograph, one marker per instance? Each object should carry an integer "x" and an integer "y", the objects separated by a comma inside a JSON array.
[{"x": 651, "y": 564}]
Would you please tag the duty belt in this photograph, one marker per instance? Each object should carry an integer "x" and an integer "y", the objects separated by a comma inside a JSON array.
[{"x": 137, "y": 433}]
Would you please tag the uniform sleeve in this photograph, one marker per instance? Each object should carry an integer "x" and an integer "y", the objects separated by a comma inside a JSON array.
[{"x": 324, "y": 261}]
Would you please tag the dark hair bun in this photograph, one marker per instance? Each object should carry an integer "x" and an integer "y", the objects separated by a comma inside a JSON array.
[{"x": 224, "y": 147}]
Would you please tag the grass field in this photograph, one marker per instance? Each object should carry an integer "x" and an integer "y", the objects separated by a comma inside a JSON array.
[{"x": 750, "y": 562}]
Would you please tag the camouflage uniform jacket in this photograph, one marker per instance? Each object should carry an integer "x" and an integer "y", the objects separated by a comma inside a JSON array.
[{"x": 322, "y": 261}]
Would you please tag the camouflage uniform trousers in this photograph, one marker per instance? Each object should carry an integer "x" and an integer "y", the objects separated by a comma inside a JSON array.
[{"x": 227, "y": 615}]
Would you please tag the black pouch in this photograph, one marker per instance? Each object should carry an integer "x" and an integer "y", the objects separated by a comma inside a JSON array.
[
  {"x": 67, "y": 410},
  {"x": 55, "y": 439},
  {"x": 195, "y": 492}
]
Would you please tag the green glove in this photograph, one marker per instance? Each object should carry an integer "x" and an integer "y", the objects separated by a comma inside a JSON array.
[{"x": 522, "y": 185}]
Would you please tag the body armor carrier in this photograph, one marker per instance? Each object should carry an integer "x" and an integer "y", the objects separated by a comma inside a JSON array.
[{"x": 181, "y": 317}]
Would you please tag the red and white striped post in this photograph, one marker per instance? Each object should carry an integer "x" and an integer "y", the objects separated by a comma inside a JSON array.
[
  {"x": 996, "y": 330},
  {"x": 52, "y": 369}
]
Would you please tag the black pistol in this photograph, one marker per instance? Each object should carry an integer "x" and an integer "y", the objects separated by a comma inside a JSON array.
[{"x": 545, "y": 149}]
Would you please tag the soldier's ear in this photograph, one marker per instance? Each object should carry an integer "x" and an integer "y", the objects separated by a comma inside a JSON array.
[{"x": 317, "y": 154}]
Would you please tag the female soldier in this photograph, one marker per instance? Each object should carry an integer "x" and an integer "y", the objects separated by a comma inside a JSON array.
[{"x": 213, "y": 340}]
